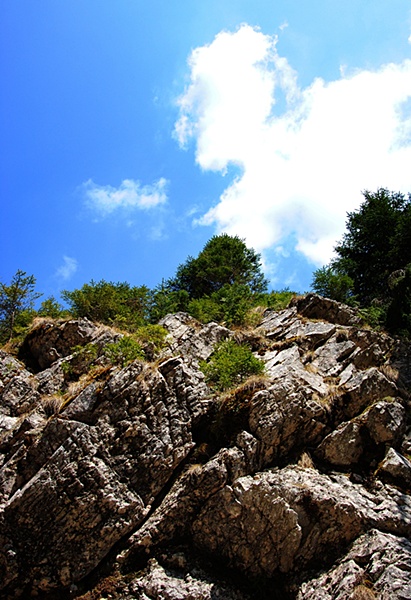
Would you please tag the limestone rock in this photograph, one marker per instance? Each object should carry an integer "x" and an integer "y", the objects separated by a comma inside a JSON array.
[
  {"x": 317, "y": 307},
  {"x": 344, "y": 446},
  {"x": 18, "y": 387},
  {"x": 169, "y": 584},
  {"x": 396, "y": 468},
  {"x": 383, "y": 422},
  {"x": 188, "y": 338},
  {"x": 365, "y": 388},
  {"x": 289, "y": 518},
  {"x": 74, "y": 504},
  {"x": 377, "y": 566},
  {"x": 142, "y": 482},
  {"x": 49, "y": 341},
  {"x": 386, "y": 421}
]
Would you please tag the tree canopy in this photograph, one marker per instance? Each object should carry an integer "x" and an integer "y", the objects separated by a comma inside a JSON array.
[
  {"x": 16, "y": 298},
  {"x": 377, "y": 243},
  {"x": 225, "y": 283},
  {"x": 224, "y": 260},
  {"x": 373, "y": 259},
  {"x": 110, "y": 303}
]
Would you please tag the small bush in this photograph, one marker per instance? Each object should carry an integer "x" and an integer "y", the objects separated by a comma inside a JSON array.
[
  {"x": 153, "y": 336},
  {"x": 229, "y": 365},
  {"x": 374, "y": 316},
  {"x": 124, "y": 351},
  {"x": 278, "y": 300}
]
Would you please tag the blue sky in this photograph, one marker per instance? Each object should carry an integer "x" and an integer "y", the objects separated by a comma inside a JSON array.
[{"x": 131, "y": 132}]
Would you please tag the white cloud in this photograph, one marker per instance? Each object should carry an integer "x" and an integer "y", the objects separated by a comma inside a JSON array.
[
  {"x": 303, "y": 169},
  {"x": 67, "y": 269},
  {"x": 130, "y": 194}
]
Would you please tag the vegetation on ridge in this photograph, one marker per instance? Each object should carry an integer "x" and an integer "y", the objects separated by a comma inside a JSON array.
[
  {"x": 225, "y": 282},
  {"x": 372, "y": 269}
]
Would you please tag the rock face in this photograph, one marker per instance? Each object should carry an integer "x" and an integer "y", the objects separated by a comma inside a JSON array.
[{"x": 141, "y": 482}]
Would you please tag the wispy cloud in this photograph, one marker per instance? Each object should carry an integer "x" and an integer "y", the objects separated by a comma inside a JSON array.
[
  {"x": 130, "y": 194},
  {"x": 67, "y": 269},
  {"x": 304, "y": 166}
]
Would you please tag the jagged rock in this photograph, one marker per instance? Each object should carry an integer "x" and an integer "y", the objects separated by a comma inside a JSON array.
[
  {"x": 174, "y": 585},
  {"x": 289, "y": 413},
  {"x": 284, "y": 418},
  {"x": 85, "y": 488},
  {"x": 377, "y": 566},
  {"x": 344, "y": 446},
  {"x": 317, "y": 307},
  {"x": 189, "y": 493},
  {"x": 74, "y": 504},
  {"x": 330, "y": 359},
  {"x": 18, "y": 387},
  {"x": 365, "y": 388},
  {"x": 49, "y": 341},
  {"x": 395, "y": 468},
  {"x": 187, "y": 337},
  {"x": 275, "y": 323},
  {"x": 292, "y": 518},
  {"x": 123, "y": 471},
  {"x": 384, "y": 422},
  {"x": 311, "y": 334}
]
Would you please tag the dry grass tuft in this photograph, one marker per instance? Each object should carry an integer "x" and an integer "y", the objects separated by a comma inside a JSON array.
[
  {"x": 52, "y": 405},
  {"x": 363, "y": 592},
  {"x": 390, "y": 372},
  {"x": 305, "y": 461}
]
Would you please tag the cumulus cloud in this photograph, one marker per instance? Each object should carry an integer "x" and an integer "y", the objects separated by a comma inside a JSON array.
[
  {"x": 305, "y": 154},
  {"x": 67, "y": 269},
  {"x": 129, "y": 195}
]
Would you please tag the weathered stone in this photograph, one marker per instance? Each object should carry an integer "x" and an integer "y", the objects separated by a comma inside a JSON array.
[
  {"x": 76, "y": 505},
  {"x": 311, "y": 334},
  {"x": 330, "y": 359},
  {"x": 386, "y": 421},
  {"x": 251, "y": 526},
  {"x": 275, "y": 323},
  {"x": 289, "y": 518},
  {"x": 395, "y": 468},
  {"x": 147, "y": 459},
  {"x": 287, "y": 416},
  {"x": 365, "y": 388},
  {"x": 344, "y": 446},
  {"x": 377, "y": 566},
  {"x": 189, "y": 338},
  {"x": 317, "y": 307},
  {"x": 189, "y": 493},
  {"x": 49, "y": 341},
  {"x": 169, "y": 584},
  {"x": 18, "y": 387}
]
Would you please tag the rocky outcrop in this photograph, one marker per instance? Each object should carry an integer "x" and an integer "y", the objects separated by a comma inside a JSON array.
[{"x": 142, "y": 482}]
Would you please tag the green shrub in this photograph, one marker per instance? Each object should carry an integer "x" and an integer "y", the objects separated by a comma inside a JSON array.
[
  {"x": 277, "y": 300},
  {"x": 151, "y": 335},
  {"x": 124, "y": 351},
  {"x": 374, "y": 315},
  {"x": 53, "y": 309},
  {"x": 115, "y": 304},
  {"x": 229, "y": 305},
  {"x": 229, "y": 365}
]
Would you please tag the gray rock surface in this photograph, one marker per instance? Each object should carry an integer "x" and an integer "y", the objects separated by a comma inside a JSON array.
[
  {"x": 142, "y": 482},
  {"x": 285, "y": 519},
  {"x": 169, "y": 584},
  {"x": 377, "y": 566}
]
